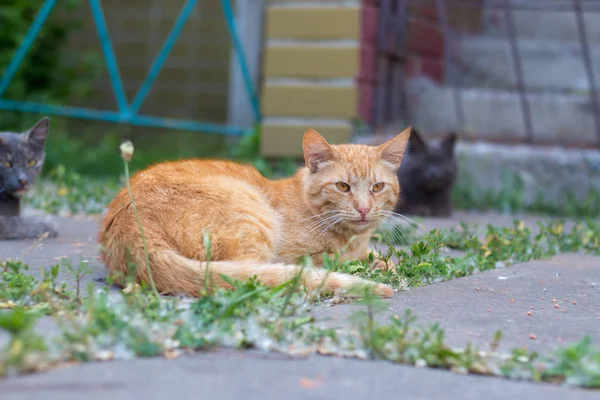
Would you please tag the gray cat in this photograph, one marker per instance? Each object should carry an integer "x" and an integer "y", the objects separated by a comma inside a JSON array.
[
  {"x": 21, "y": 160},
  {"x": 427, "y": 176}
]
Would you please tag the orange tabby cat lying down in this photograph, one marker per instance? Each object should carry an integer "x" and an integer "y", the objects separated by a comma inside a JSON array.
[{"x": 257, "y": 226}]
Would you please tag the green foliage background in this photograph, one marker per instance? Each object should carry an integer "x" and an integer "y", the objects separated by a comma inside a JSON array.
[{"x": 43, "y": 75}]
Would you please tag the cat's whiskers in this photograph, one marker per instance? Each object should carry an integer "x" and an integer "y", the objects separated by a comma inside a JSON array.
[
  {"x": 304, "y": 234},
  {"x": 391, "y": 229},
  {"x": 397, "y": 233},
  {"x": 340, "y": 218},
  {"x": 315, "y": 225},
  {"x": 327, "y": 223},
  {"x": 322, "y": 218},
  {"x": 319, "y": 215},
  {"x": 385, "y": 226},
  {"x": 411, "y": 222}
]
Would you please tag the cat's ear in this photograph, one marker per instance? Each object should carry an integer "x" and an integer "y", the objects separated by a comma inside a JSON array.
[
  {"x": 416, "y": 144},
  {"x": 317, "y": 152},
  {"x": 391, "y": 152},
  {"x": 448, "y": 142},
  {"x": 37, "y": 134}
]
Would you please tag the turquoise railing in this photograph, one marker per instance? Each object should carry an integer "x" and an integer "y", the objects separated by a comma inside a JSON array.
[{"x": 128, "y": 112}]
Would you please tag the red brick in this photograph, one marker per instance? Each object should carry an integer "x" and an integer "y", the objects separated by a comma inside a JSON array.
[
  {"x": 368, "y": 63},
  {"x": 425, "y": 11},
  {"x": 425, "y": 38},
  {"x": 369, "y": 21},
  {"x": 366, "y": 100}
]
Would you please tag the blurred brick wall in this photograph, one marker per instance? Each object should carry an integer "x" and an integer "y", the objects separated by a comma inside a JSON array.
[{"x": 425, "y": 37}]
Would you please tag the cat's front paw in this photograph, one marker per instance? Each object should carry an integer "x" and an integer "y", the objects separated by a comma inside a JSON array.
[
  {"x": 382, "y": 265},
  {"x": 379, "y": 262},
  {"x": 51, "y": 228},
  {"x": 44, "y": 226}
]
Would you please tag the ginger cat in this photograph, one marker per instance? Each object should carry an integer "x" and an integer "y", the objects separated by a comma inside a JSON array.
[{"x": 257, "y": 226}]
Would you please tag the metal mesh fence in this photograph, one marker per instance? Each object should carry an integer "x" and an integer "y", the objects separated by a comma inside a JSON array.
[{"x": 509, "y": 71}]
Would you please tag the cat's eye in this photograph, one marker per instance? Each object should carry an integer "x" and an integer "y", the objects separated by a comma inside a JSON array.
[
  {"x": 342, "y": 186},
  {"x": 31, "y": 163},
  {"x": 7, "y": 164},
  {"x": 378, "y": 187}
]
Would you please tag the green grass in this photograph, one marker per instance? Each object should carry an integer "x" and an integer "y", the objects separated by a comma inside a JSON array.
[
  {"x": 425, "y": 260},
  {"x": 103, "y": 324},
  {"x": 98, "y": 323},
  {"x": 66, "y": 192}
]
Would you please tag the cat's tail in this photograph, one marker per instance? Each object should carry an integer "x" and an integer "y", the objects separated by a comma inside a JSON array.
[{"x": 176, "y": 274}]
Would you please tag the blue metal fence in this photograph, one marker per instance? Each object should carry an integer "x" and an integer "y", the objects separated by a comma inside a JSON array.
[{"x": 128, "y": 112}]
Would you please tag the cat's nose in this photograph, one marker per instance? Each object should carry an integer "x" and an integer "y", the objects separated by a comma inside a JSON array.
[
  {"x": 23, "y": 181},
  {"x": 363, "y": 211}
]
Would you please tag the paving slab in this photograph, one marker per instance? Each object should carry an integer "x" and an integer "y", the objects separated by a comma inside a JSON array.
[
  {"x": 562, "y": 294},
  {"x": 77, "y": 240},
  {"x": 469, "y": 309},
  {"x": 461, "y": 309},
  {"x": 251, "y": 375}
]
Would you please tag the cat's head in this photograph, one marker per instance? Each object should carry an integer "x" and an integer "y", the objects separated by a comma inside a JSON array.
[
  {"x": 22, "y": 158},
  {"x": 431, "y": 165},
  {"x": 352, "y": 186}
]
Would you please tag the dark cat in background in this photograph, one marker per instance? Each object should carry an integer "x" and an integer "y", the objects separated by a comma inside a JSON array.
[
  {"x": 21, "y": 160},
  {"x": 427, "y": 175}
]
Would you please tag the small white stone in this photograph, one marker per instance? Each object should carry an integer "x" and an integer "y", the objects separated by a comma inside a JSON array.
[{"x": 104, "y": 355}]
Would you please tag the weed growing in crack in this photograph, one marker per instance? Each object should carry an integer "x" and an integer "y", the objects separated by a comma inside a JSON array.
[
  {"x": 81, "y": 271},
  {"x": 16, "y": 283},
  {"x": 126, "y": 154},
  {"x": 207, "y": 275},
  {"x": 577, "y": 364},
  {"x": 65, "y": 192},
  {"x": 134, "y": 323},
  {"x": 138, "y": 322},
  {"x": 426, "y": 261},
  {"x": 401, "y": 341},
  {"x": 26, "y": 350}
]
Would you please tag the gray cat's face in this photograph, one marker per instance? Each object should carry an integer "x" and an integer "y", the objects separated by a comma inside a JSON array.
[
  {"x": 22, "y": 158},
  {"x": 431, "y": 165}
]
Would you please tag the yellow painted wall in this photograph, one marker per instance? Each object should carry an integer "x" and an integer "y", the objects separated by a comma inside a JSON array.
[
  {"x": 278, "y": 140},
  {"x": 309, "y": 101},
  {"x": 311, "y": 59},
  {"x": 311, "y": 62},
  {"x": 313, "y": 23}
]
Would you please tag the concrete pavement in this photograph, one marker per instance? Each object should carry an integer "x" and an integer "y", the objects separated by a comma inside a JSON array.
[{"x": 469, "y": 309}]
